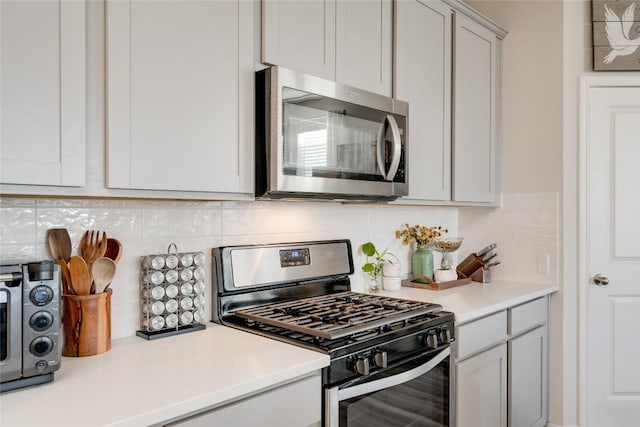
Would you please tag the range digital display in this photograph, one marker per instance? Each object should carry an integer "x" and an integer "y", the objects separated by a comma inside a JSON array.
[{"x": 294, "y": 257}]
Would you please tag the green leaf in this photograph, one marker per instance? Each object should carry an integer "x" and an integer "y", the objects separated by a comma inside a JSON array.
[
  {"x": 368, "y": 268},
  {"x": 368, "y": 249}
]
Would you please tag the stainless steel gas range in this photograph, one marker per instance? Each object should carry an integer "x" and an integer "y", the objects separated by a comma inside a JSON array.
[{"x": 391, "y": 360}]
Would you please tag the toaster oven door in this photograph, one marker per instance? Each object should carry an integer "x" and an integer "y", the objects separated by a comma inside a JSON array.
[{"x": 10, "y": 323}]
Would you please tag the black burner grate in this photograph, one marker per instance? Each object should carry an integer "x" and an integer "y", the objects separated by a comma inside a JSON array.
[{"x": 337, "y": 315}]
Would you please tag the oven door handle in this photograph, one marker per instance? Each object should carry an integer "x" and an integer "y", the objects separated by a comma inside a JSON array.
[{"x": 373, "y": 386}]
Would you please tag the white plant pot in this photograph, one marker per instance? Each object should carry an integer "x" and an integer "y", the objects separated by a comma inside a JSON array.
[{"x": 391, "y": 277}]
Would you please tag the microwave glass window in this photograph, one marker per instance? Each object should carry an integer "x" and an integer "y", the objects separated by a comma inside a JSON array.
[
  {"x": 328, "y": 138},
  {"x": 4, "y": 320}
]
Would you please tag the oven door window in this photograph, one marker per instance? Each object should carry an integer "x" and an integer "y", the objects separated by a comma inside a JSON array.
[{"x": 420, "y": 401}]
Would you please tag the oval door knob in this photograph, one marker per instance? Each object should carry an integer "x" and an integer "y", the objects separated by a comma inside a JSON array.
[{"x": 600, "y": 280}]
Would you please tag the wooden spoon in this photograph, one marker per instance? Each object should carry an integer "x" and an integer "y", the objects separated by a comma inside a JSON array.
[
  {"x": 114, "y": 249},
  {"x": 65, "y": 277},
  {"x": 59, "y": 243},
  {"x": 80, "y": 277},
  {"x": 102, "y": 271}
]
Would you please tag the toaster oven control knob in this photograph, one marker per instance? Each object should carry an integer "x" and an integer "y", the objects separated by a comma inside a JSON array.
[
  {"x": 41, "y": 346},
  {"x": 362, "y": 365},
  {"x": 41, "y": 295},
  {"x": 41, "y": 321},
  {"x": 445, "y": 336},
  {"x": 380, "y": 359},
  {"x": 432, "y": 340}
]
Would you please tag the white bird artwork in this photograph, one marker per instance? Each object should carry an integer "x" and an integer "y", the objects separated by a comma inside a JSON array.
[{"x": 618, "y": 33}]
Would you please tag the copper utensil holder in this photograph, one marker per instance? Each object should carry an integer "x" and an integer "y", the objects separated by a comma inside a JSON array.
[{"x": 86, "y": 323}]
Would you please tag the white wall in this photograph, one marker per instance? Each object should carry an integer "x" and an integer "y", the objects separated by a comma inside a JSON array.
[
  {"x": 148, "y": 227},
  {"x": 532, "y": 169}
]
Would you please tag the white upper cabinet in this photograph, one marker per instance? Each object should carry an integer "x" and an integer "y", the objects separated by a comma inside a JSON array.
[
  {"x": 349, "y": 41},
  {"x": 476, "y": 156},
  {"x": 423, "y": 78},
  {"x": 364, "y": 40},
  {"x": 42, "y": 82},
  {"x": 300, "y": 35},
  {"x": 180, "y": 79}
]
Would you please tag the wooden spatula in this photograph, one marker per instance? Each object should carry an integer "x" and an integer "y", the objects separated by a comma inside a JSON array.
[
  {"x": 59, "y": 243},
  {"x": 80, "y": 277},
  {"x": 65, "y": 278}
]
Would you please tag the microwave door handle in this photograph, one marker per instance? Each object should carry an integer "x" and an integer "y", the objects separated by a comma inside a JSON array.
[
  {"x": 379, "y": 143},
  {"x": 373, "y": 386},
  {"x": 397, "y": 148}
]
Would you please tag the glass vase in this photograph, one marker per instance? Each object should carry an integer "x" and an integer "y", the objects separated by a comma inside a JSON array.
[
  {"x": 423, "y": 262},
  {"x": 374, "y": 284}
]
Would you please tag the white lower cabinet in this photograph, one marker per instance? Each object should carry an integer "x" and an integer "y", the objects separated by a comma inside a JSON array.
[
  {"x": 528, "y": 379},
  {"x": 502, "y": 368},
  {"x": 297, "y": 404},
  {"x": 481, "y": 387}
]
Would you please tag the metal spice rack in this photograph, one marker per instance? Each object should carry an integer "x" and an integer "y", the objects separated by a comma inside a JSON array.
[{"x": 172, "y": 291}]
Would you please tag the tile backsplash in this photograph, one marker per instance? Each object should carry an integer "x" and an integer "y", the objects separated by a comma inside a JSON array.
[
  {"x": 148, "y": 227},
  {"x": 525, "y": 227}
]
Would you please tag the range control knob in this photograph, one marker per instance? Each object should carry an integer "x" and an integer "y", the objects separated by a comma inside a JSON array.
[
  {"x": 380, "y": 359},
  {"x": 41, "y": 295},
  {"x": 432, "y": 340},
  {"x": 41, "y": 346},
  {"x": 362, "y": 365},
  {"x": 445, "y": 336}
]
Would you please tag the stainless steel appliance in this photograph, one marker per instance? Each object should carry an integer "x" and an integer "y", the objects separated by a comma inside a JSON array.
[
  {"x": 29, "y": 324},
  {"x": 391, "y": 362},
  {"x": 320, "y": 139}
]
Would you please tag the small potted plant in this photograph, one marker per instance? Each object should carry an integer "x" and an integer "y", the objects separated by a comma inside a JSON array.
[{"x": 375, "y": 263}]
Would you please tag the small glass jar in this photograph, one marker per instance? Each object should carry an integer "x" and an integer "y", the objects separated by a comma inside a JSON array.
[
  {"x": 198, "y": 259},
  {"x": 186, "y": 289},
  {"x": 171, "y": 291},
  {"x": 155, "y": 262},
  {"x": 171, "y": 261},
  {"x": 171, "y": 320},
  {"x": 198, "y": 301},
  {"x": 171, "y": 276},
  {"x": 186, "y": 318},
  {"x": 186, "y": 260},
  {"x": 199, "y": 287},
  {"x": 198, "y": 316},
  {"x": 198, "y": 273},
  {"x": 186, "y": 274},
  {"x": 157, "y": 277},
  {"x": 186, "y": 303},
  {"x": 171, "y": 305},
  {"x": 153, "y": 323}
]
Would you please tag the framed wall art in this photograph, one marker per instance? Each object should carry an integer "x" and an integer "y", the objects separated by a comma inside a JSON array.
[{"x": 616, "y": 35}]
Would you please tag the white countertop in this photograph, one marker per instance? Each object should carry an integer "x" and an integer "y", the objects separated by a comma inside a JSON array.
[
  {"x": 476, "y": 300},
  {"x": 141, "y": 382}
]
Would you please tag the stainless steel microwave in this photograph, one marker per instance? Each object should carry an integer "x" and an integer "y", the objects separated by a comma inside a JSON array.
[{"x": 316, "y": 138}]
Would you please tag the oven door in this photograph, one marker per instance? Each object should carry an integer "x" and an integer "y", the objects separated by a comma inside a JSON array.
[
  {"x": 417, "y": 392},
  {"x": 10, "y": 323}
]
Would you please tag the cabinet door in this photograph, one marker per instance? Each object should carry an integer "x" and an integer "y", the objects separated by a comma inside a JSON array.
[
  {"x": 476, "y": 90},
  {"x": 423, "y": 78},
  {"x": 300, "y": 35},
  {"x": 42, "y": 82},
  {"x": 180, "y": 81},
  {"x": 292, "y": 405},
  {"x": 528, "y": 379},
  {"x": 363, "y": 44},
  {"x": 481, "y": 389}
]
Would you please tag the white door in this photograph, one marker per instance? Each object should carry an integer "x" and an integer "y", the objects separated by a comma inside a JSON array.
[{"x": 612, "y": 357}]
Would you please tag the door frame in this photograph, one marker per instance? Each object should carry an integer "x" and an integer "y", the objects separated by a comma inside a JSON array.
[{"x": 586, "y": 84}]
